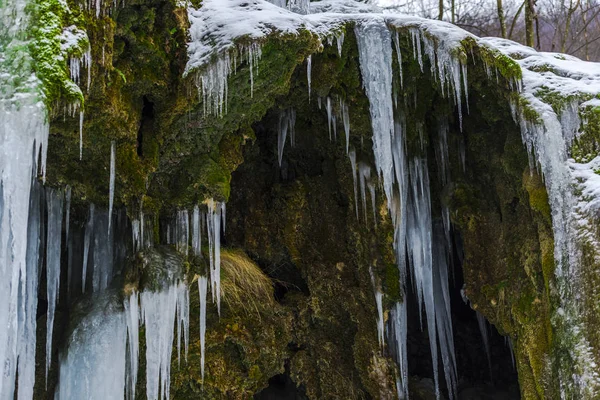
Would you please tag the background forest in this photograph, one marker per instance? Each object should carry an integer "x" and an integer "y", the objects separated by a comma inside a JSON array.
[{"x": 564, "y": 26}]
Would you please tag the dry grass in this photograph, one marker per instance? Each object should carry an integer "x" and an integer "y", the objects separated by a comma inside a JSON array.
[{"x": 243, "y": 284}]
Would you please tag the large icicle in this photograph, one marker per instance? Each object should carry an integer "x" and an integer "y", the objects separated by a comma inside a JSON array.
[
  {"x": 398, "y": 334},
  {"x": 183, "y": 319},
  {"x": 27, "y": 313},
  {"x": 202, "y": 289},
  {"x": 132, "y": 315},
  {"x": 158, "y": 311},
  {"x": 111, "y": 184},
  {"x": 53, "y": 247},
  {"x": 346, "y": 121},
  {"x": 287, "y": 122},
  {"x": 182, "y": 232},
  {"x": 308, "y": 73},
  {"x": 213, "y": 223},
  {"x": 352, "y": 157},
  {"x": 419, "y": 244},
  {"x": 88, "y": 237},
  {"x": 23, "y": 138},
  {"x": 441, "y": 292},
  {"x": 375, "y": 56},
  {"x": 196, "y": 232},
  {"x": 103, "y": 253}
]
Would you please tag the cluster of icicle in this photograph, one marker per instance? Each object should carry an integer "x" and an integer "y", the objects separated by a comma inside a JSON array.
[
  {"x": 23, "y": 145},
  {"x": 212, "y": 82},
  {"x": 548, "y": 141},
  {"x": 406, "y": 185},
  {"x": 90, "y": 369},
  {"x": 102, "y": 356},
  {"x": 211, "y": 221}
]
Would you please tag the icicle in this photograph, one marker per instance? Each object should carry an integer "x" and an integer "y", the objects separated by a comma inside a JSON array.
[
  {"x": 23, "y": 139},
  {"x": 346, "y": 121},
  {"x": 136, "y": 235},
  {"x": 111, "y": 185},
  {"x": 340, "y": 43},
  {"x": 375, "y": 56},
  {"x": 67, "y": 212},
  {"x": 89, "y": 232},
  {"x": 26, "y": 316},
  {"x": 399, "y": 334},
  {"x": 213, "y": 82},
  {"x": 132, "y": 315},
  {"x": 329, "y": 116},
  {"x": 399, "y": 56},
  {"x": 281, "y": 136},
  {"x": 308, "y": 73},
  {"x": 53, "y": 249},
  {"x": 483, "y": 328},
  {"x": 364, "y": 174},
  {"x": 158, "y": 310},
  {"x": 196, "y": 232},
  {"x": 319, "y": 102},
  {"x": 80, "y": 135},
  {"x": 509, "y": 344},
  {"x": 287, "y": 122},
  {"x": 441, "y": 152},
  {"x": 352, "y": 157},
  {"x": 202, "y": 288},
  {"x": 103, "y": 253},
  {"x": 213, "y": 220},
  {"x": 371, "y": 186},
  {"x": 379, "y": 303},
  {"x": 183, "y": 319},
  {"x": 182, "y": 232},
  {"x": 443, "y": 314}
]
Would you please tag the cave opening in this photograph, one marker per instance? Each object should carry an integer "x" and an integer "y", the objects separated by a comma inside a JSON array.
[
  {"x": 146, "y": 124},
  {"x": 484, "y": 371}
]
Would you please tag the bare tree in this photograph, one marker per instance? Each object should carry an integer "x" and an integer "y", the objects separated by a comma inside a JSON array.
[{"x": 501, "y": 20}]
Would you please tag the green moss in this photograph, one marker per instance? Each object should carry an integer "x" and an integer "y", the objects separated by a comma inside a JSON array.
[
  {"x": 508, "y": 68},
  {"x": 50, "y": 49},
  {"x": 587, "y": 145}
]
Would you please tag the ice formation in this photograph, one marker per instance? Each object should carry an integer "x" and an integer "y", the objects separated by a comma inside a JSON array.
[
  {"x": 93, "y": 366},
  {"x": 89, "y": 228},
  {"x": 53, "y": 249},
  {"x": 483, "y": 328},
  {"x": 287, "y": 124},
  {"x": 23, "y": 138},
  {"x": 158, "y": 312},
  {"x": 216, "y": 213},
  {"x": 202, "y": 289},
  {"x": 111, "y": 184},
  {"x": 196, "y": 231},
  {"x": 132, "y": 317},
  {"x": 308, "y": 73}
]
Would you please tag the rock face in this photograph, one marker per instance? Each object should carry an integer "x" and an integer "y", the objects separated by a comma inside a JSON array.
[{"x": 274, "y": 113}]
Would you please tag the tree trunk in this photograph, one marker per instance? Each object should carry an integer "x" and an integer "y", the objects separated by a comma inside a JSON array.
[
  {"x": 500, "y": 18},
  {"x": 529, "y": 17},
  {"x": 441, "y": 10}
]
